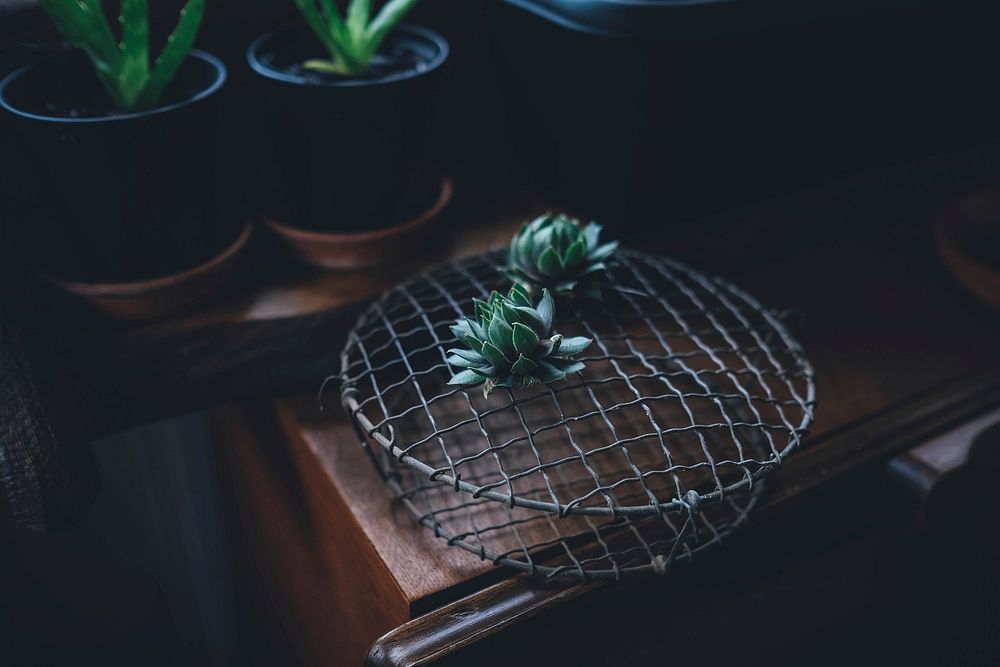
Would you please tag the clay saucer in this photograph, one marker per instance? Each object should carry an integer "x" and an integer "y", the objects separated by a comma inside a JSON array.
[
  {"x": 159, "y": 297},
  {"x": 956, "y": 230},
  {"x": 345, "y": 251}
]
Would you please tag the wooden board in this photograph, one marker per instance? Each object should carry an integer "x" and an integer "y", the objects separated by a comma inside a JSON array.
[{"x": 899, "y": 350}]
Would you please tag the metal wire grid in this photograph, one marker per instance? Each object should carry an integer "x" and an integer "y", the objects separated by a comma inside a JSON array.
[
  {"x": 662, "y": 334},
  {"x": 580, "y": 546},
  {"x": 691, "y": 393}
]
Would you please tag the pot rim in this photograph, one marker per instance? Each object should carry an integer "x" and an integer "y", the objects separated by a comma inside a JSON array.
[
  {"x": 258, "y": 66},
  {"x": 221, "y": 74},
  {"x": 139, "y": 287}
]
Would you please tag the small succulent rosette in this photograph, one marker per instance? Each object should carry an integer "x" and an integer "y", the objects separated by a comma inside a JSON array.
[
  {"x": 556, "y": 252},
  {"x": 510, "y": 343}
]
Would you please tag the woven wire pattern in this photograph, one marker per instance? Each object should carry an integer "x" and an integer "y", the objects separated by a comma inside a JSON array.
[{"x": 692, "y": 392}]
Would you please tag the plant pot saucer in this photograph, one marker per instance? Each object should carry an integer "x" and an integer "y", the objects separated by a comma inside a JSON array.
[
  {"x": 158, "y": 297},
  {"x": 959, "y": 232},
  {"x": 346, "y": 251}
]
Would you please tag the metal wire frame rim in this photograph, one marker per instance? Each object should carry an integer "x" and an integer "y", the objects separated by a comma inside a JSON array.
[
  {"x": 576, "y": 570},
  {"x": 677, "y": 505}
]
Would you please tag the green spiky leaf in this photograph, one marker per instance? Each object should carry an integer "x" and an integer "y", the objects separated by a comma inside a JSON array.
[
  {"x": 501, "y": 334},
  {"x": 170, "y": 59},
  {"x": 511, "y": 345},
  {"x": 524, "y": 366},
  {"x": 549, "y": 263},
  {"x": 494, "y": 355},
  {"x": 468, "y": 355},
  {"x": 525, "y": 340},
  {"x": 546, "y": 309},
  {"x": 554, "y": 251},
  {"x": 123, "y": 66},
  {"x": 570, "y": 346},
  {"x": 353, "y": 41},
  {"x": 466, "y": 377}
]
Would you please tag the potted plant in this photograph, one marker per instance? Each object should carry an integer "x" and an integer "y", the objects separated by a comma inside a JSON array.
[
  {"x": 347, "y": 98},
  {"x": 121, "y": 151}
]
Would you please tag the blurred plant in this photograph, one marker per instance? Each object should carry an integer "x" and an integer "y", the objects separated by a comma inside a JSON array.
[
  {"x": 509, "y": 344},
  {"x": 123, "y": 66},
  {"x": 352, "y": 40},
  {"x": 554, "y": 251}
]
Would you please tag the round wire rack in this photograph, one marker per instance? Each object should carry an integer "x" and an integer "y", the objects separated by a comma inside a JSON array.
[{"x": 692, "y": 393}]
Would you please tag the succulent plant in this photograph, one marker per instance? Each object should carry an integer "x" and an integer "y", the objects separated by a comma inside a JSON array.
[
  {"x": 510, "y": 343},
  {"x": 353, "y": 39},
  {"x": 122, "y": 66},
  {"x": 554, "y": 251}
]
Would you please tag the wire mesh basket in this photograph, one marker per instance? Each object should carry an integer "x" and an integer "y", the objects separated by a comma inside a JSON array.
[{"x": 692, "y": 392}]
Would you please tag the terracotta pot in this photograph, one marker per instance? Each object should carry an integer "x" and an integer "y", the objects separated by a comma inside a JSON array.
[
  {"x": 151, "y": 299},
  {"x": 360, "y": 250}
]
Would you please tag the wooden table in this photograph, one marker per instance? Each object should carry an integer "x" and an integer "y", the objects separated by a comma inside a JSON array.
[{"x": 908, "y": 382}]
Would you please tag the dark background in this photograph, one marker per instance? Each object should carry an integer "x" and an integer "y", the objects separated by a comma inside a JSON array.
[{"x": 685, "y": 122}]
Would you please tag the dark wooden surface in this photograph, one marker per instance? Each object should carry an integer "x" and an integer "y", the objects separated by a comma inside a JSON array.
[
  {"x": 847, "y": 502},
  {"x": 903, "y": 355}
]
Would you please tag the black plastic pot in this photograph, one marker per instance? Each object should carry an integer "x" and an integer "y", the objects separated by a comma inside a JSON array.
[
  {"x": 345, "y": 154},
  {"x": 115, "y": 196},
  {"x": 647, "y": 110}
]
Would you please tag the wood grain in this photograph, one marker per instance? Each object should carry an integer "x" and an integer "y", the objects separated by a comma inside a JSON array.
[
  {"x": 857, "y": 495},
  {"x": 324, "y": 540},
  {"x": 901, "y": 354}
]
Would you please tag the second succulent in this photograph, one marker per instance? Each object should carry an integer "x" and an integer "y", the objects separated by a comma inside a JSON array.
[{"x": 557, "y": 252}]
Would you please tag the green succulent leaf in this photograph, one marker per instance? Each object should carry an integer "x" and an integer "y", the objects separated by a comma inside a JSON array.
[
  {"x": 565, "y": 286},
  {"x": 501, "y": 334},
  {"x": 462, "y": 362},
  {"x": 593, "y": 268},
  {"x": 525, "y": 340},
  {"x": 511, "y": 345},
  {"x": 484, "y": 312},
  {"x": 575, "y": 253},
  {"x": 354, "y": 40},
  {"x": 570, "y": 367},
  {"x": 468, "y": 355},
  {"x": 519, "y": 296},
  {"x": 495, "y": 356},
  {"x": 473, "y": 342},
  {"x": 554, "y": 251},
  {"x": 549, "y": 263},
  {"x": 575, "y": 345},
  {"x": 533, "y": 319},
  {"x": 548, "y": 373},
  {"x": 461, "y": 328},
  {"x": 523, "y": 366},
  {"x": 357, "y": 17},
  {"x": 170, "y": 59},
  {"x": 546, "y": 309},
  {"x": 466, "y": 377},
  {"x": 511, "y": 314},
  {"x": 602, "y": 252},
  {"x": 122, "y": 66}
]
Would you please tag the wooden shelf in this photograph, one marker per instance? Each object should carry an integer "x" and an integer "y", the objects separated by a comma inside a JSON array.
[
  {"x": 858, "y": 247},
  {"x": 277, "y": 327}
]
